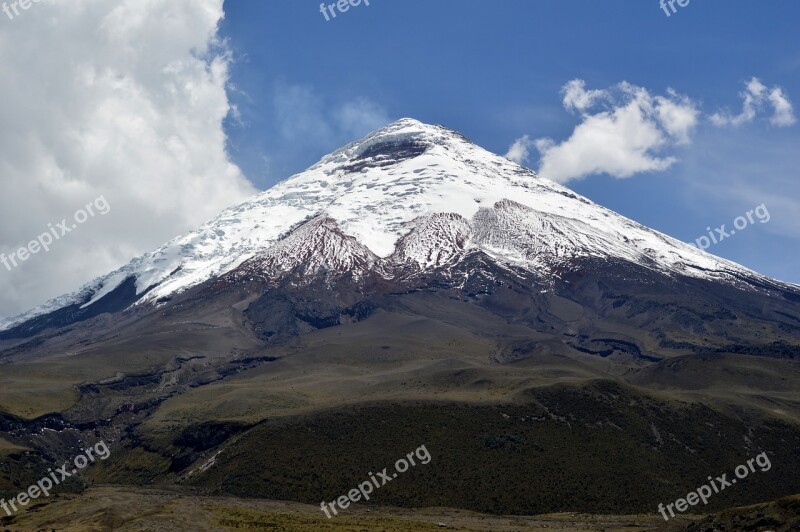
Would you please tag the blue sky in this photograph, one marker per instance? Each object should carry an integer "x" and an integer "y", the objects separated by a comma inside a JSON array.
[{"x": 495, "y": 70}]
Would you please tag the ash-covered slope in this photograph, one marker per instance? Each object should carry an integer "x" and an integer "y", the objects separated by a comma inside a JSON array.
[{"x": 410, "y": 194}]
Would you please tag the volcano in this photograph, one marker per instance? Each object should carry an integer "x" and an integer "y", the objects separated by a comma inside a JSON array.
[
  {"x": 414, "y": 288},
  {"x": 407, "y": 198}
]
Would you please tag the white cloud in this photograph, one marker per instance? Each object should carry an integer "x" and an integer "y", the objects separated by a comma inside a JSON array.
[
  {"x": 520, "y": 150},
  {"x": 677, "y": 115},
  {"x": 754, "y": 98},
  {"x": 577, "y": 98},
  {"x": 624, "y": 136},
  {"x": 784, "y": 112},
  {"x": 122, "y": 99}
]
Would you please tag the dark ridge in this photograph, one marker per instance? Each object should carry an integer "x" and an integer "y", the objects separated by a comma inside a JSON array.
[
  {"x": 787, "y": 315},
  {"x": 777, "y": 349},
  {"x": 10, "y": 424},
  {"x": 117, "y": 300},
  {"x": 397, "y": 149},
  {"x": 795, "y": 298},
  {"x": 387, "y": 153}
]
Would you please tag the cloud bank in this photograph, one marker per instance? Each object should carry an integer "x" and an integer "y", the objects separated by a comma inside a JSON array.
[
  {"x": 122, "y": 99},
  {"x": 624, "y": 130}
]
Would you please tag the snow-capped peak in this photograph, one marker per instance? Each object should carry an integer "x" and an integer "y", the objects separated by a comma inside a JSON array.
[{"x": 376, "y": 189}]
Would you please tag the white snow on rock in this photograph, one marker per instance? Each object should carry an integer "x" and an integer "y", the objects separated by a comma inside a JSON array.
[{"x": 424, "y": 184}]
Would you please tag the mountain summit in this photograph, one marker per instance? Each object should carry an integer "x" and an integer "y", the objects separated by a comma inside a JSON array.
[{"x": 407, "y": 193}]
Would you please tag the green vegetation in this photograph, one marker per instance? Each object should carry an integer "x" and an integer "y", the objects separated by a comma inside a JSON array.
[{"x": 598, "y": 448}]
